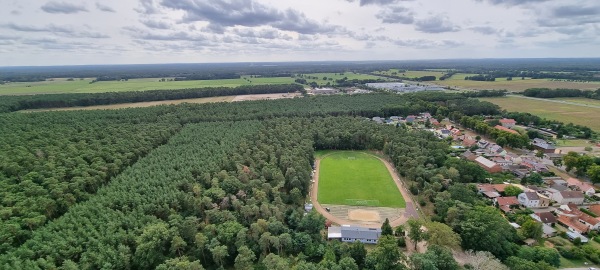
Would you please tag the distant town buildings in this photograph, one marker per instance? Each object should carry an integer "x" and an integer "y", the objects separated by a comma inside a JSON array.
[{"x": 405, "y": 87}]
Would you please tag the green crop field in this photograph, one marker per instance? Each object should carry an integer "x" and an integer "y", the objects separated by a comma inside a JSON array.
[
  {"x": 83, "y": 86},
  {"x": 568, "y": 113},
  {"x": 351, "y": 176},
  {"x": 517, "y": 84}
]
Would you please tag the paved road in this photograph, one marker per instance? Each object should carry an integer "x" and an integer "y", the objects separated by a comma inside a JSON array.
[
  {"x": 410, "y": 209},
  {"x": 557, "y": 101}
]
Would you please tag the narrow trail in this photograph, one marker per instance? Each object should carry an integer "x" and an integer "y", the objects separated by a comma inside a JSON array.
[{"x": 410, "y": 211}]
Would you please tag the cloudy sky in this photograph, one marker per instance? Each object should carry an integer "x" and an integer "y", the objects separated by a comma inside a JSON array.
[{"x": 66, "y": 32}]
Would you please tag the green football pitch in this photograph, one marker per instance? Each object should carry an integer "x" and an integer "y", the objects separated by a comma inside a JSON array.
[{"x": 357, "y": 178}]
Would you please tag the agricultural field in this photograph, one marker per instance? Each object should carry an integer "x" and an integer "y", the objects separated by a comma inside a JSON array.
[
  {"x": 83, "y": 86},
  {"x": 568, "y": 113},
  {"x": 517, "y": 84},
  {"x": 583, "y": 101},
  {"x": 349, "y": 177}
]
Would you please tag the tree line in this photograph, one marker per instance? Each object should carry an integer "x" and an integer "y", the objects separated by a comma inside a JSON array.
[
  {"x": 44, "y": 101},
  {"x": 557, "y": 93}
]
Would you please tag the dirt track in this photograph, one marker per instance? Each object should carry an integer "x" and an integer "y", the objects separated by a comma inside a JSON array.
[{"x": 410, "y": 209}]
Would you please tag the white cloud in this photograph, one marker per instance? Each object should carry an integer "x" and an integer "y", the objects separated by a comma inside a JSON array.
[{"x": 151, "y": 31}]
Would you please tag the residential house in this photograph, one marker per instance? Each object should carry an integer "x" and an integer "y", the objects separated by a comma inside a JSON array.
[
  {"x": 573, "y": 213},
  {"x": 500, "y": 187},
  {"x": 543, "y": 146},
  {"x": 595, "y": 209},
  {"x": 497, "y": 150},
  {"x": 483, "y": 144},
  {"x": 501, "y": 161},
  {"x": 533, "y": 165},
  {"x": 508, "y": 123},
  {"x": 352, "y": 233},
  {"x": 567, "y": 196},
  {"x": 533, "y": 200},
  {"x": 592, "y": 222},
  {"x": 491, "y": 194},
  {"x": 555, "y": 181},
  {"x": 572, "y": 224},
  {"x": 444, "y": 133},
  {"x": 468, "y": 155},
  {"x": 553, "y": 156},
  {"x": 378, "y": 120},
  {"x": 499, "y": 127},
  {"x": 578, "y": 185},
  {"x": 468, "y": 141},
  {"x": 482, "y": 188},
  {"x": 544, "y": 217},
  {"x": 515, "y": 159},
  {"x": 506, "y": 203},
  {"x": 488, "y": 165}
]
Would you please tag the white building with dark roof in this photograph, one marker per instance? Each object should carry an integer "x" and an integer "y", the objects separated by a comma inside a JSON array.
[{"x": 351, "y": 234}]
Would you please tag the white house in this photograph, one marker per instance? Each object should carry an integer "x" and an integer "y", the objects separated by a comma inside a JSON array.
[
  {"x": 567, "y": 196},
  {"x": 533, "y": 200}
]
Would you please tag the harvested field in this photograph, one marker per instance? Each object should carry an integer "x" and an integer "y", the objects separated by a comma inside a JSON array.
[{"x": 568, "y": 113}]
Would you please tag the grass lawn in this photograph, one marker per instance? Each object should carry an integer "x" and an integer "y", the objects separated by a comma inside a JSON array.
[
  {"x": 566, "y": 113},
  {"x": 573, "y": 143},
  {"x": 353, "y": 175}
]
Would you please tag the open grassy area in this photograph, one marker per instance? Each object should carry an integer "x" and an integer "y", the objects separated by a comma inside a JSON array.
[
  {"x": 567, "y": 113},
  {"x": 83, "y": 86},
  {"x": 572, "y": 263},
  {"x": 350, "y": 175}
]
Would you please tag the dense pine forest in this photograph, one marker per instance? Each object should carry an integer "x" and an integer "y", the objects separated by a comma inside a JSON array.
[{"x": 222, "y": 186}]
